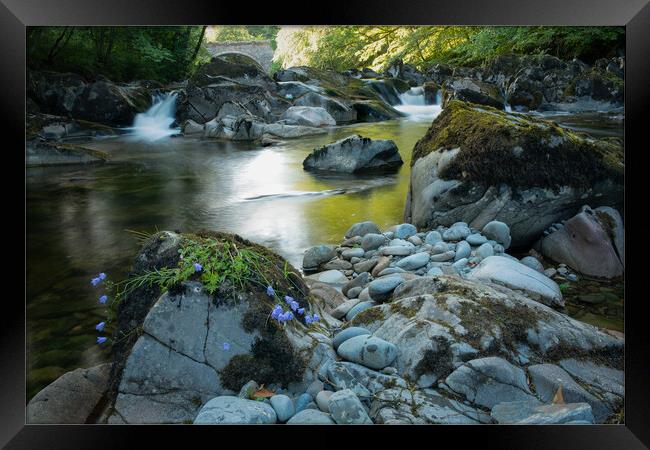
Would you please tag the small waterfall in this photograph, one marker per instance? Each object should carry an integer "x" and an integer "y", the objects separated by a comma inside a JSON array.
[
  {"x": 414, "y": 105},
  {"x": 155, "y": 123}
]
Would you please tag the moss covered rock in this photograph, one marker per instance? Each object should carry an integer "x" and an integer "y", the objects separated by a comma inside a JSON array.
[
  {"x": 477, "y": 164},
  {"x": 197, "y": 339}
]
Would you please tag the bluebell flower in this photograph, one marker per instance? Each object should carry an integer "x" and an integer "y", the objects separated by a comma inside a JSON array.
[
  {"x": 308, "y": 319},
  {"x": 301, "y": 311},
  {"x": 294, "y": 305},
  {"x": 288, "y": 299},
  {"x": 315, "y": 318},
  {"x": 269, "y": 291},
  {"x": 226, "y": 346},
  {"x": 95, "y": 281},
  {"x": 198, "y": 267},
  {"x": 101, "y": 339},
  {"x": 288, "y": 315},
  {"x": 102, "y": 276},
  {"x": 100, "y": 326},
  {"x": 276, "y": 311},
  {"x": 103, "y": 299}
]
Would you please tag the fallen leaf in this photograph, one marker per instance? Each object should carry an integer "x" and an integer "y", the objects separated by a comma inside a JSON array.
[
  {"x": 263, "y": 392},
  {"x": 558, "y": 399}
]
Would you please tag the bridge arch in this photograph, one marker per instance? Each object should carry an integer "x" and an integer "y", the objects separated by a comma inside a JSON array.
[{"x": 260, "y": 51}]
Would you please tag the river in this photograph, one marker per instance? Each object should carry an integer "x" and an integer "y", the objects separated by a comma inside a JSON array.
[{"x": 78, "y": 216}]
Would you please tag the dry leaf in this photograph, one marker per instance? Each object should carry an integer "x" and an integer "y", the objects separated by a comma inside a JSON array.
[
  {"x": 558, "y": 399},
  {"x": 263, "y": 392}
]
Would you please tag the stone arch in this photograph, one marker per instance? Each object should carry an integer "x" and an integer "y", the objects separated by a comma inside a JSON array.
[{"x": 260, "y": 51}]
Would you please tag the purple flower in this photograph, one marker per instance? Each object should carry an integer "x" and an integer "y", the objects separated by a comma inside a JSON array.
[
  {"x": 269, "y": 291},
  {"x": 198, "y": 267},
  {"x": 102, "y": 276},
  {"x": 101, "y": 339},
  {"x": 288, "y": 299},
  {"x": 308, "y": 319},
  {"x": 95, "y": 281},
  {"x": 294, "y": 305},
  {"x": 100, "y": 326},
  {"x": 103, "y": 299},
  {"x": 226, "y": 346},
  {"x": 315, "y": 318},
  {"x": 286, "y": 316},
  {"x": 276, "y": 312},
  {"x": 301, "y": 311}
]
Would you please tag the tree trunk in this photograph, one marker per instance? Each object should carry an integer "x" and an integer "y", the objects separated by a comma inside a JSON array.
[{"x": 198, "y": 45}]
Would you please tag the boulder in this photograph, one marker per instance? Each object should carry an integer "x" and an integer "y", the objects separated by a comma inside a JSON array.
[
  {"x": 514, "y": 275},
  {"x": 311, "y": 417},
  {"x": 337, "y": 109},
  {"x": 354, "y": 154},
  {"x": 362, "y": 228},
  {"x": 315, "y": 256},
  {"x": 312, "y": 116},
  {"x": 239, "y": 68},
  {"x": 374, "y": 111},
  {"x": 473, "y": 91},
  {"x": 235, "y": 410},
  {"x": 179, "y": 361},
  {"x": 591, "y": 242},
  {"x": 71, "y": 398},
  {"x": 478, "y": 164},
  {"x": 369, "y": 351}
]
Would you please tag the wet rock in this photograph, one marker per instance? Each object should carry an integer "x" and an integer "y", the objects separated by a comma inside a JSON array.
[
  {"x": 354, "y": 154},
  {"x": 234, "y": 410}
]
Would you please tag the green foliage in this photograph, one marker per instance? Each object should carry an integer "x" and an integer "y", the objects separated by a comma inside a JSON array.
[
  {"x": 244, "y": 33},
  {"x": 119, "y": 53},
  {"x": 344, "y": 47}
]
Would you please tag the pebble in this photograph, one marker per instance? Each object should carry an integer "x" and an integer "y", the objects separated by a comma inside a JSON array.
[
  {"x": 352, "y": 252},
  {"x": 550, "y": 272},
  {"x": 456, "y": 233},
  {"x": 446, "y": 256},
  {"x": 476, "y": 239},
  {"x": 390, "y": 271},
  {"x": 302, "y": 401},
  {"x": 463, "y": 250},
  {"x": 368, "y": 351},
  {"x": 498, "y": 231},
  {"x": 322, "y": 400},
  {"x": 485, "y": 250},
  {"x": 283, "y": 407},
  {"x": 381, "y": 288},
  {"x": 362, "y": 228},
  {"x": 397, "y": 250},
  {"x": 356, "y": 309},
  {"x": 405, "y": 230},
  {"x": 365, "y": 266},
  {"x": 413, "y": 262},
  {"x": 415, "y": 240},
  {"x": 460, "y": 265},
  {"x": 354, "y": 292},
  {"x": 372, "y": 241},
  {"x": 382, "y": 263},
  {"x": 311, "y": 417},
  {"x": 346, "y": 408},
  {"x": 315, "y": 387},
  {"x": 435, "y": 271},
  {"x": 433, "y": 237},
  {"x": 346, "y": 334},
  {"x": 533, "y": 263}
]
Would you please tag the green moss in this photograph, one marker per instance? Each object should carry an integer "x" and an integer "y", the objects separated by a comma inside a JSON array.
[
  {"x": 551, "y": 156},
  {"x": 436, "y": 360},
  {"x": 370, "y": 315},
  {"x": 407, "y": 310}
]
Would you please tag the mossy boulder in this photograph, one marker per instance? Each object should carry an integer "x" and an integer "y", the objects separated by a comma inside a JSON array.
[
  {"x": 234, "y": 67},
  {"x": 478, "y": 164},
  {"x": 472, "y": 90},
  {"x": 197, "y": 340}
]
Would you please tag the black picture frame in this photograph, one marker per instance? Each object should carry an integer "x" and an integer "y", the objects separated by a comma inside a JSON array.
[{"x": 15, "y": 15}]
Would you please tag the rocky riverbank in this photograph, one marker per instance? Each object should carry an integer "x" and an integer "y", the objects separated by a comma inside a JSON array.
[{"x": 232, "y": 98}]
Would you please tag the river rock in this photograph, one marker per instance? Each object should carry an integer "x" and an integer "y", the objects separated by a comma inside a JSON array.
[
  {"x": 361, "y": 229},
  {"x": 372, "y": 241},
  {"x": 302, "y": 401},
  {"x": 337, "y": 264},
  {"x": 340, "y": 311},
  {"x": 489, "y": 381},
  {"x": 354, "y": 154},
  {"x": 352, "y": 253},
  {"x": 404, "y": 231},
  {"x": 547, "y": 379},
  {"x": 359, "y": 281},
  {"x": 533, "y": 263},
  {"x": 381, "y": 288},
  {"x": 476, "y": 239},
  {"x": 442, "y": 257},
  {"x": 322, "y": 400},
  {"x": 585, "y": 243},
  {"x": 435, "y": 271},
  {"x": 463, "y": 250},
  {"x": 71, "y": 398},
  {"x": 313, "y": 116},
  {"x": 413, "y": 262},
  {"x": 433, "y": 237},
  {"x": 337, "y": 109},
  {"x": 453, "y": 178},
  {"x": 382, "y": 263},
  {"x": 456, "y": 233},
  {"x": 485, "y": 250},
  {"x": 513, "y": 274},
  {"x": 497, "y": 231},
  {"x": 474, "y": 91},
  {"x": 346, "y": 334},
  {"x": 369, "y": 351},
  {"x": 359, "y": 307},
  {"x": 311, "y": 417},
  {"x": 397, "y": 250},
  {"x": 531, "y": 412},
  {"x": 315, "y": 256},
  {"x": 234, "y": 410},
  {"x": 283, "y": 407},
  {"x": 329, "y": 277},
  {"x": 347, "y": 409}
]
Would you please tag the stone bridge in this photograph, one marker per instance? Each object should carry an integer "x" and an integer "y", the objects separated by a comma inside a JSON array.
[{"x": 260, "y": 51}]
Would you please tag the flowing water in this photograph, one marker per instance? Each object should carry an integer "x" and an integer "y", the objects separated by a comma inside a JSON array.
[{"x": 78, "y": 216}]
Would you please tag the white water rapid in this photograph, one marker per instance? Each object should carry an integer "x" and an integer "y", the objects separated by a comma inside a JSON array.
[
  {"x": 155, "y": 123},
  {"x": 414, "y": 106}
]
